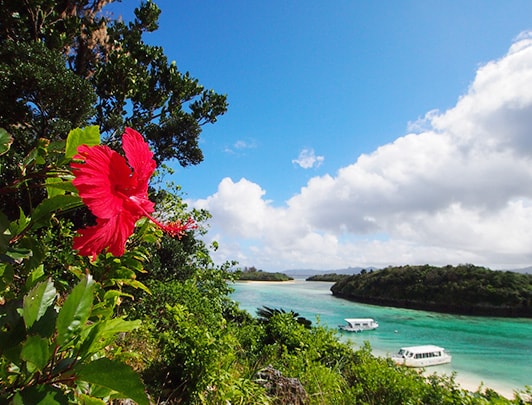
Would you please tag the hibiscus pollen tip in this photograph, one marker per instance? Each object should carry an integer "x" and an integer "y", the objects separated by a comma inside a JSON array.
[{"x": 178, "y": 228}]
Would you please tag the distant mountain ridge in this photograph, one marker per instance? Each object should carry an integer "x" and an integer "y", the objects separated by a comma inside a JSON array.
[{"x": 526, "y": 270}]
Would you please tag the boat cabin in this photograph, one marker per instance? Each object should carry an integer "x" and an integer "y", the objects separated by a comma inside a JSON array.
[
  {"x": 359, "y": 324},
  {"x": 422, "y": 356}
]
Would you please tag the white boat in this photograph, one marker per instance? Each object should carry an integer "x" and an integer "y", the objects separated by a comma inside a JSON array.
[
  {"x": 359, "y": 324},
  {"x": 422, "y": 356}
]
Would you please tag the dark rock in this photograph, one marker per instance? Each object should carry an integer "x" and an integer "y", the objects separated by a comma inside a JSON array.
[{"x": 283, "y": 390}]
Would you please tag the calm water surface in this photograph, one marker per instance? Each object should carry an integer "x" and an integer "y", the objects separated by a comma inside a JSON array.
[{"x": 494, "y": 351}]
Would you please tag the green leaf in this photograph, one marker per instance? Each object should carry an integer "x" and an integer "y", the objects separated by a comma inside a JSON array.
[
  {"x": 75, "y": 311},
  {"x": 116, "y": 376},
  {"x": 45, "y": 326},
  {"x": 104, "y": 332},
  {"x": 58, "y": 186},
  {"x": 81, "y": 136},
  {"x": 5, "y": 141},
  {"x": 18, "y": 253},
  {"x": 37, "y": 301},
  {"x": 55, "y": 186},
  {"x": 35, "y": 259},
  {"x": 20, "y": 224},
  {"x": 137, "y": 284},
  {"x": 36, "y": 275},
  {"x": 43, "y": 212},
  {"x": 36, "y": 352},
  {"x": 87, "y": 400},
  {"x": 6, "y": 274}
]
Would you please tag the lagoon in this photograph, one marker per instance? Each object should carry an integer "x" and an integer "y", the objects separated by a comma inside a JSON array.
[{"x": 495, "y": 352}]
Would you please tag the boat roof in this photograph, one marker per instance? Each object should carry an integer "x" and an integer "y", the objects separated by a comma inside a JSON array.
[
  {"x": 350, "y": 320},
  {"x": 423, "y": 348}
]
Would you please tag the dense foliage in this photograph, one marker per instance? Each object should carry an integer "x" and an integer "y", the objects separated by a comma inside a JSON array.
[
  {"x": 155, "y": 324},
  {"x": 327, "y": 277},
  {"x": 200, "y": 348},
  {"x": 463, "y": 289},
  {"x": 252, "y": 274},
  {"x": 65, "y": 64}
]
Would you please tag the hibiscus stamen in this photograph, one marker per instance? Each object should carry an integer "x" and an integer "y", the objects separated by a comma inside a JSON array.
[{"x": 175, "y": 228}]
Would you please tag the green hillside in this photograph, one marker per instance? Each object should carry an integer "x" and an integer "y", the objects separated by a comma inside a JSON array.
[{"x": 463, "y": 289}]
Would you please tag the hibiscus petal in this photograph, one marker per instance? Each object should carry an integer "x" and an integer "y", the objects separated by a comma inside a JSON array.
[
  {"x": 101, "y": 179},
  {"x": 115, "y": 194},
  {"x": 140, "y": 158},
  {"x": 111, "y": 233}
]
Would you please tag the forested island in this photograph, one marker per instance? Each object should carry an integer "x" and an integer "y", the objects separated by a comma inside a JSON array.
[
  {"x": 253, "y": 274},
  {"x": 327, "y": 277},
  {"x": 463, "y": 289}
]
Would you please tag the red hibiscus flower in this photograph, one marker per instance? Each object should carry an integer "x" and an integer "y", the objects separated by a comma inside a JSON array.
[{"x": 116, "y": 192}]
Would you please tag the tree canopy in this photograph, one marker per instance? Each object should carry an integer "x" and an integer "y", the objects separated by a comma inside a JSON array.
[
  {"x": 65, "y": 64},
  {"x": 465, "y": 289}
]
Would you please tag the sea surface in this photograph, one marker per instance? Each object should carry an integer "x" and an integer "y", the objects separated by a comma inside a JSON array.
[{"x": 495, "y": 352}]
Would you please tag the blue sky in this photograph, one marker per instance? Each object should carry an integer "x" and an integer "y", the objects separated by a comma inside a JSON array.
[{"x": 346, "y": 124}]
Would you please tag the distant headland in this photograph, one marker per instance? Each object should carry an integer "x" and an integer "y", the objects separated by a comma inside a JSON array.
[
  {"x": 253, "y": 274},
  {"x": 464, "y": 289}
]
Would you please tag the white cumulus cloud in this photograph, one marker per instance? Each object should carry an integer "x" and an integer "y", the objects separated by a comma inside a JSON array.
[{"x": 457, "y": 189}]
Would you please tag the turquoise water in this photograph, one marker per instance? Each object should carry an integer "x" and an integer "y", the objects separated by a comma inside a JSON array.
[{"x": 494, "y": 351}]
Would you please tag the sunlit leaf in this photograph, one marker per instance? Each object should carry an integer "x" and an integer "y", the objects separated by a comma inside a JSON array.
[
  {"x": 87, "y": 400},
  {"x": 36, "y": 275},
  {"x": 116, "y": 376},
  {"x": 5, "y": 141},
  {"x": 59, "y": 184},
  {"x": 104, "y": 332},
  {"x": 18, "y": 253},
  {"x": 51, "y": 188},
  {"x": 37, "y": 301},
  {"x": 75, "y": 310},
  {"x": 16, "y": 227},
  {"x": 6, "y": 274},
  {"x": 81, "y": 136}
]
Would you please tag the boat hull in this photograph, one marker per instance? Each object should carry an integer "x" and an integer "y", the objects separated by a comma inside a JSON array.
[
  {"x": 356, "y": 330},
  {"x": 422, "y": 356},
  {"x": 422, "y": 362}
]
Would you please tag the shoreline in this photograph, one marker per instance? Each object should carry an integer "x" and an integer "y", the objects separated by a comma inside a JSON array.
[{"x": 473, "y": 383}]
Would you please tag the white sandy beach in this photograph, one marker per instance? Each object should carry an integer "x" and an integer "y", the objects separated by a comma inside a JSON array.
[
  {"x": 264, "y": 282},
  {"x": 473, "y": 383}
]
